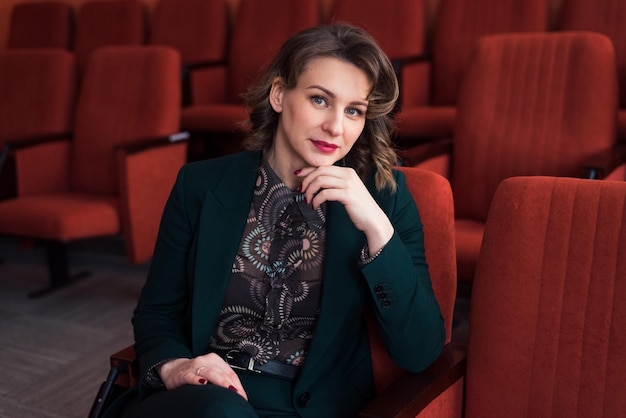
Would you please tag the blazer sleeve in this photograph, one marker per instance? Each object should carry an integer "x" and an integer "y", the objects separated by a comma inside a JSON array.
[
  {"x": 160, "y": 316},
  {"x": 406, "y": 310}
]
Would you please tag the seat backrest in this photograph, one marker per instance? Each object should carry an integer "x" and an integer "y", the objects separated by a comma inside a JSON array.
[
  {"x": 37, "y": 93},
  {"x": 433, "y": 196},
  {"x": 547, "y": 317},
  {"x": 37, "y": 99},
  {"x": 531, "y": 104},
  {"x": 108, "y": 22},
  {"x": 399, "y": 27},
  {"x": 46, "y": 24},
  {"x": 128, "y": 94},
  {"x": 603, "y": 16},
  {"x": 260, "y": 28},
  {"x": 197, "y": 29},
  {"x": 459, "y": 23}
]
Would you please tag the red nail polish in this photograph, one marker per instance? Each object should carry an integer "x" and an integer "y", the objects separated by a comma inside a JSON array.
[
  {"x": 234, "y": 389},
  {"x": 202, "y": 381},
  {"x": 297, "y": 172}
]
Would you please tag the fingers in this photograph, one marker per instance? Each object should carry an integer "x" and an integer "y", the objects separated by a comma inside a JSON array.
[
  {"x": 328, "y": 183},
  {"x": 212, "y": 369}
]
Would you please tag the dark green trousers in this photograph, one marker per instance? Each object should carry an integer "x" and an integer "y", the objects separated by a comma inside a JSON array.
[{"x": 267, "y": 397}]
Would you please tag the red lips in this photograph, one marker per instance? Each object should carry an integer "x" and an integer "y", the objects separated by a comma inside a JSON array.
[{"x": 324, "y": 146}]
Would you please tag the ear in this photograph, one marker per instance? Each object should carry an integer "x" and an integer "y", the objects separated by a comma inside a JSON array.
[{"x": 276, "y": 94}]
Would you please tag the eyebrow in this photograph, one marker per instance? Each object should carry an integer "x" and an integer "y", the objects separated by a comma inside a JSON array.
[{"x": 332, "y": 95}]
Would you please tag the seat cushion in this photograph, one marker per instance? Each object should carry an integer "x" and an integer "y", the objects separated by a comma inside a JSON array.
[{"x": 64, "y": 216}]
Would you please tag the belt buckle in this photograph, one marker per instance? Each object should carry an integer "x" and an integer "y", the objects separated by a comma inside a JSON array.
[{"x": 230, "y": 356}]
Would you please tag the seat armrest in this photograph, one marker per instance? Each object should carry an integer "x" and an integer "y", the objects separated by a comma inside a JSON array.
[
  {"x": 147, "y": 171},
  {"x": 412, "y": 392},
  {"x": 32, "y": 141},
  {"x": 603, "y": 163},
  {"x": 420, "y": 153},
  {"x": 39, "y": 164},
  {"x": 149, "y": 143},
  {"x": 125, "y": 361},
  {"x": 187, "y": 70},
  {"x": 19, "y": 143}
]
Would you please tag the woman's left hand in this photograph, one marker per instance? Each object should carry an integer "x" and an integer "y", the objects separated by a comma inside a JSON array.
[{"x": 342, "y": 184}]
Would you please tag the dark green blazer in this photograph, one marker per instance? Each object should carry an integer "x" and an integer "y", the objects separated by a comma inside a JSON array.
[{"x": 200, "y": 232}]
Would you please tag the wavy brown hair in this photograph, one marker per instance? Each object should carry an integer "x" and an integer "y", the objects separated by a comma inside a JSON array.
[{"x": 373, "y": 149}]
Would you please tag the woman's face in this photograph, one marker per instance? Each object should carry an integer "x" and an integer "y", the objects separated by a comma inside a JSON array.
[{"x": 321, "y": 117}]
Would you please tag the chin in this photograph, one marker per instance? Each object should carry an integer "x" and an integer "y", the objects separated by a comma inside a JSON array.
[{"x": 319, "y": 161}]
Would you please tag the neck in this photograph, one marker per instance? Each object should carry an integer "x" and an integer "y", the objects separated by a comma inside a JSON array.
[{"x": 283, "y": 170}]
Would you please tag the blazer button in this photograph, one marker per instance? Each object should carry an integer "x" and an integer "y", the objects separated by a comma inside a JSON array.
[
  {"x": 304, "y": 399},
  {"x": 379, "y": 288}
]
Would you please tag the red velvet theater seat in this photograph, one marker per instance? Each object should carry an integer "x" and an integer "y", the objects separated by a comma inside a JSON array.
[
  {"x": 399, "y": 27},
  {"x": 197, "y": 29},
  {"x": 430, "y": 111},
  {"x": 114, "y": 176},
  {"x": 259, "y": 29},
  {"x": 546, "y": 336},
  {"x": 607, "y": 17},
  {"x": 45, "y": 24},
  {"x": 108, "y": 22},
  {"x": 433, "y": 197},
  {"x": 530, "y": 104},
  {"x": 37, "y": 99}
]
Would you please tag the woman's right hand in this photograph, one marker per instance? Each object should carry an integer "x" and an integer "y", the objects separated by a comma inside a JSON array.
[{"x": 209, "y": 368}]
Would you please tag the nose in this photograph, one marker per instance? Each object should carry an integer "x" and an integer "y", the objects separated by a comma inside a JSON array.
[{"x": 334, "y": 123}]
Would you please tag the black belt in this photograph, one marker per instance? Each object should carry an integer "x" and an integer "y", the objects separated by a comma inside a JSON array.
[{"x": 242, "y": 361}]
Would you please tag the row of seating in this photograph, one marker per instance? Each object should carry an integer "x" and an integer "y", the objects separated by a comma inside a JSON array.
[
  {"x": 430, "y": 66},
  {"x": 92, "y": 159},
  {"x": 529, "y": 104},
  {"x": 506, "y": 105}
]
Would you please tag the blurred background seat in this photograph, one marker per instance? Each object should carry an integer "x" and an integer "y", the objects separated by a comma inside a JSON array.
[
  {"x": 197, "y": 29},
  {"x": 430, "y": 111},
  {"x": 607, "y": 17},
  {"x": 259, "y": 29},
  {"x": 530, "y": 104},
  {"x": 399, "y": 27},
  {"x": 37, "y": 98},
  {"x": 106, "y": 23},
  {"x": 115, "y": 174},
  {"x": 46, "y": 24}
]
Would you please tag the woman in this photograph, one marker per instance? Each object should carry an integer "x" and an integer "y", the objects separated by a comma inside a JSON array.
[{"x": 267, "y": 259}]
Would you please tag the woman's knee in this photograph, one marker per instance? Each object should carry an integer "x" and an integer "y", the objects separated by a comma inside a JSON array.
[{"x": 193, "y": 401}]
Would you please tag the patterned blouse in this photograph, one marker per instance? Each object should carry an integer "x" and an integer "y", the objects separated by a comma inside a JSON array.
[{"x": 272, "y": 302}]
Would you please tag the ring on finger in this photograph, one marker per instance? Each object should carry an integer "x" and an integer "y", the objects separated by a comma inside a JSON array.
[{"x": 200, "y": 369}]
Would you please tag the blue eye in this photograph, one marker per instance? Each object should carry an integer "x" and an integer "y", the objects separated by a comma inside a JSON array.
[
  {"x": 351, "y": 111},
  {"x": 318, "y": 100}
]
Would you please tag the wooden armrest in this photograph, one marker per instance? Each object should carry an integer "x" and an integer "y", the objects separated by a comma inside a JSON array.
[
  {"x": 126, "y": 363},
  {"x": 412, "y": 392},
  {"x": 148, "y": 143},
  {"x": 603, "y": 163},
  {"x": 425, "y": 151}
]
